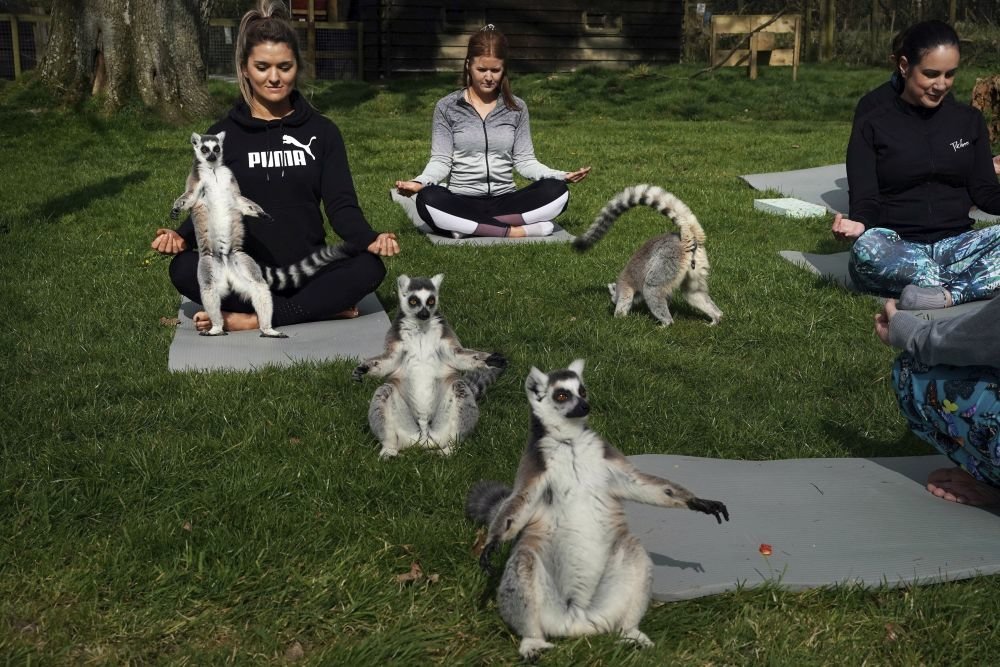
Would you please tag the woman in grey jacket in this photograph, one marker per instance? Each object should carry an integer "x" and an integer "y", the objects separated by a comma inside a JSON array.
[
  {"x": 948, "y": 383},
  {"x": 480, "y": 135}
]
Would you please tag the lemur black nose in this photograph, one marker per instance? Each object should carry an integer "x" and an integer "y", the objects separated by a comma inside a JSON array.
[
  {"x": 581, "y": 409},
  {"x": 423, "y": 314},
  {"x": 212, "y": 157}
]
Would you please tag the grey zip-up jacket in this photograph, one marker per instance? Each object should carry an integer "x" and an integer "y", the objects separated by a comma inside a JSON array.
[
  {"x": 972, "y": 339},
  {"x": 477, "y": 156}
]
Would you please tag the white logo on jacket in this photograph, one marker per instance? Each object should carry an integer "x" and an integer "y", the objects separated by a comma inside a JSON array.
[
  {"x": 288, "y": 139},
  {"x": 961, "y": 143}
]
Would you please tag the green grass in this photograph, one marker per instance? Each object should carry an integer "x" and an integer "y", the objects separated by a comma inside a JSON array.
[{"x": 205, "y": 518}]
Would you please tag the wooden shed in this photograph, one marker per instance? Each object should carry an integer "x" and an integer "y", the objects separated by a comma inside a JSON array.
[{"x": 403, "y": 36}]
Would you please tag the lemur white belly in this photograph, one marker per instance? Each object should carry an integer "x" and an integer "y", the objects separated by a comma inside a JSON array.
[
  {"x": 217, "y": 197},
  {"x": 422, "y": 370},
  {"x": 581, "y": 521}
]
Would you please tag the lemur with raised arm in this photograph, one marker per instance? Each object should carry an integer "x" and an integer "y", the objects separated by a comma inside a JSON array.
[
  {"x": 575, "y": 569},
  {"x": 662, "y": 265},
  {"x": 433, "y": 382},
  {"x": 217, "y": 210}
]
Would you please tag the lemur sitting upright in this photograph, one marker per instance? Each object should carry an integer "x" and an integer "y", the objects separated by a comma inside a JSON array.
[
  {"x": 427, "y": 400},
  {"x": 575, "y": 568},
  {"x": 217, "y": 210}
]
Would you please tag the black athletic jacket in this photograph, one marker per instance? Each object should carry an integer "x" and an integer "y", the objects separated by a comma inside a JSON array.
[
  {"x": 290, "y": 167},
  {"x": 918, "y": 171}
]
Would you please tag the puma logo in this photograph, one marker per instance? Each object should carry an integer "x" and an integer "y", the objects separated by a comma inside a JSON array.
[{"x": 295, "y": 142}]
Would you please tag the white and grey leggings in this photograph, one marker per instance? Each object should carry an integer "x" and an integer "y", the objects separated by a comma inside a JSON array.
[{"x": 532, "y": 207}]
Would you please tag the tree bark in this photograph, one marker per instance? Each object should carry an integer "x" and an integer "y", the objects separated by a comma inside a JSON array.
[
  {"x": 152, "y": 51},
  {"x": 986, "y": 98}
]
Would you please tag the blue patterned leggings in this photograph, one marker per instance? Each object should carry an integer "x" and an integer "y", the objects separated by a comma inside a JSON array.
[
  {"x": 967, "y": 265},
  {"x": 955, "y": 409}
]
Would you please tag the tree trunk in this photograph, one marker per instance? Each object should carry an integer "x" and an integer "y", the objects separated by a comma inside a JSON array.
[
  {"x": 986, "y": 98},
  {"x": 152, "y": 51},
  {"x": 828, "y": 29}
]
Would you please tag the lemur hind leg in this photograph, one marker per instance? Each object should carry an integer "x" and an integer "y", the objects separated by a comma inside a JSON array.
[
  {"x": 520, "y": 597},
  {"x": 250, "y": 283},
  {"x": 391, "y": 422},
  {"x": 695, "y": 291},
  {"x": 214, "y": 286},
  {"x": 454, "y": 419},
  {"x": 658, "y": 300},
  {"x": 622, "y": 596}
]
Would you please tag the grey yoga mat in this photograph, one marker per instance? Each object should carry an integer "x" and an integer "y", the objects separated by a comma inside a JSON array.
[
  {"x": 827, "y": 521},
  {"x": 409, "y": 206},
  {"x": 834, "y": 267},
  {"x": 825, "y": 186},
  {"x": 358, "y": 338}
]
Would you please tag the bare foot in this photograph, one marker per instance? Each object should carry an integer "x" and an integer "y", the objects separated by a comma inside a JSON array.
[
  {"x": 230, "y": 321},
  {"x": 516, "y": 233},
  {"x": 958, "y": 486},
  {"x": 348, "y": 313}
]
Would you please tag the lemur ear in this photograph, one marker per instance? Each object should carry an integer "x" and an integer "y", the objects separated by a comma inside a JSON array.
[
  {"x": 577, "y": 367},
  {"x": 402, "y": 282},
  {"x": 535, "y": 383},
  {"x": 437, "y": 280},
  {"x": 195, "y": 138},
  {"x": 221, "y": 136}
]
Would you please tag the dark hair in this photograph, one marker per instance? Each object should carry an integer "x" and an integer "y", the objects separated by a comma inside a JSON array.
[
  {"x": 925, "y": 36},
  {"x": 490, "y": 42},
  {"x": 268, "y": 22},
  {"x": 897, "y": 46}
]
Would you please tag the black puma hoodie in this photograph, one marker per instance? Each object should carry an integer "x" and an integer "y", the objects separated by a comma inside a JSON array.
[{"x": 290, "y": 166}]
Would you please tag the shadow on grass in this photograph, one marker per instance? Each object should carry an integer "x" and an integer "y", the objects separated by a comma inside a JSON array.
[
  {"x": 862, "y": 446},
  {"x": 85, "y": 196}
]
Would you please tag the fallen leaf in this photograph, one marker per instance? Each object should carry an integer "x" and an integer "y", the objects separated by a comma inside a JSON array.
[
  {"x": 480, "y": 543},
  {"x": 892, "y": 632},
  {"x": 414, "y": 574},
  {"x": 433, "y": 578},
  {"x": 795, "y": 146},
  {"x": 294, "y": 440},
  {"x": 294, "y": 652},
  {"x": 187, "y": 526},
  {"x": 765, "y": 550},
  {"x": 169, "y": 321}
]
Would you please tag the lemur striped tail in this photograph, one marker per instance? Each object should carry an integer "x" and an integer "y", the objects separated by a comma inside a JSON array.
[
  {"x": 691, "y": 232},
  {"x": 478, "y": 380},
  {"x": 484, "y": 500},
  {"x": 296, "y": 274}
]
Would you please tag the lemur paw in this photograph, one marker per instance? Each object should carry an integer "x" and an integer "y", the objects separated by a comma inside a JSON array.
[
  {"x": 496, "y": 360},
  {"x": 175, "y": 213},
  {"x": 484, "y": 558},
  {"x": 713, "y": 507},
  {"x": 359, "y": 372},
  {"x": 531, "y": 648}
]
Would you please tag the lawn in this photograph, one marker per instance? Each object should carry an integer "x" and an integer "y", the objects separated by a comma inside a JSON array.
[{"x": 150, "y": 517}]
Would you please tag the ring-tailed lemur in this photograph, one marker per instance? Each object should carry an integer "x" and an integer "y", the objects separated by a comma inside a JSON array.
[
  {"x": 575, "y": 568},
  {"x": 664, "y": 263},
  {"x": 217, "y": 210},
  {"x": 427, "y": 400}
]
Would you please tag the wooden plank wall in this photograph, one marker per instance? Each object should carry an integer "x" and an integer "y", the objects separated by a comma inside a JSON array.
[{"x": 550, "y": 36}]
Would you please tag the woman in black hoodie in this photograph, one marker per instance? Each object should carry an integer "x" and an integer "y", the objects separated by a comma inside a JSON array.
[
  {"x": 291, "y": 160},
  {"x": 915, "y": 167}
]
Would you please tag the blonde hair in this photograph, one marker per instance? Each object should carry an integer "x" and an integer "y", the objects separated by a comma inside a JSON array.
[{"x": 268, "y": 22}]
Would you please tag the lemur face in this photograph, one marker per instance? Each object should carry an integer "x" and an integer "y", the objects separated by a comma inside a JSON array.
[
  {"x": 558, "y": 395},
  {"x": 418, "y": 297},
  {"x": 208, "y": 147}
]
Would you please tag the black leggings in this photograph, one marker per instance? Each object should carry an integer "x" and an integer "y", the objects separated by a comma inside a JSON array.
[
  {"x": 532, "y": 207},
  {"x": 335, "y": 288}
]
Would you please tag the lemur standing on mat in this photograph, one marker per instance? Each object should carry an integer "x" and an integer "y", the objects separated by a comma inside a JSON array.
[
  {"x": 575, "y": 568},
  {"x": 217, "y": 210},
  {"x": 664, "y": 263},
  {"x": 427, "y": 400}
]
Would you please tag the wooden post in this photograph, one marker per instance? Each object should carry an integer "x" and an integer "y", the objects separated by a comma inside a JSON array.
[
  {"x": 828, "y": 18},
  {"x": 797, "y": 48},
  {"x": 952, "y": 11},
  {"x": 311, "y": 37},
  {"x": 15, "y": 39},
  {"x": 754, "y": 44}
]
